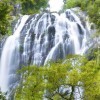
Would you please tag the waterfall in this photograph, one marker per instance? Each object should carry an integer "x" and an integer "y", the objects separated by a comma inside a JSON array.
[
  {"x": 10, "y": 58},
  {"x": 38, "y": 39}
]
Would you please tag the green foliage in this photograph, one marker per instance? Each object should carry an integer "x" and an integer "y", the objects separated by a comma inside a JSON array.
[
  {"x": 93, "y": 9},
  {"x": 2, "y": 96},
  {"x": 32, "y": 6},
  {"x": 8, "y": 9},
  {"x": 72, "y": 3},
  {"x": 76, "y": 3},
  {"x": 45, "y": 82},
  {"x": 33, "y": 85},
  {"x": 5, "y": 9}
]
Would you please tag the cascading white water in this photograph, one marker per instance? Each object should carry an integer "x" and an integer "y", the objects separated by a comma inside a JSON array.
[
  {"x": 10, "y": 57},
  {"x": 38, "y": 39}
]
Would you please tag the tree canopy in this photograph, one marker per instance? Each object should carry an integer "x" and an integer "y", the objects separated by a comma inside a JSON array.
[
  {"x": 9, "y": 8},
  {"x": 32, "y": 6},
  {"x": 61, "y": 80},
  {"x": 5, "y": 10},
  {"x": 2, "y": 96}
]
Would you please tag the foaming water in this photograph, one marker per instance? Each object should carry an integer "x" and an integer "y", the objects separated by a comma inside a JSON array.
[{"x": 10, "y": 56}]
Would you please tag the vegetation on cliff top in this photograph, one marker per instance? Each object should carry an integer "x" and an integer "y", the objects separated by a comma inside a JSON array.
[{"x": 10, "y": 8}]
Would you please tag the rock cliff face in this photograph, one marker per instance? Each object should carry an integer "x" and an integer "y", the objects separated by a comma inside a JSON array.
[
  {"x": 2, "y": 41},
  {"x": 40, "y": 38}
]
